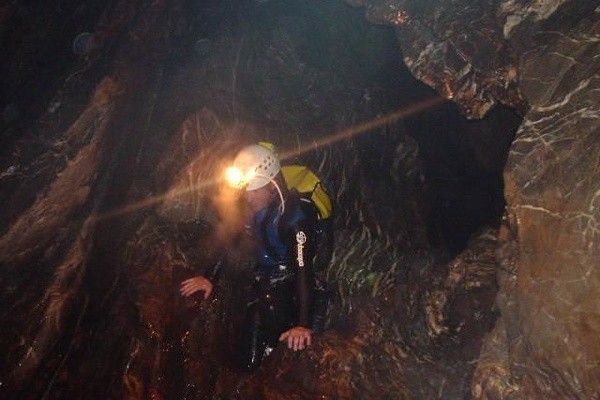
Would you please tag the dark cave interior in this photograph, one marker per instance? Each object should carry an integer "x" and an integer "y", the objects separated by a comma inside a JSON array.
[
  {"x": 462, "y": 160},
  {"x": 293, "y": 72}
]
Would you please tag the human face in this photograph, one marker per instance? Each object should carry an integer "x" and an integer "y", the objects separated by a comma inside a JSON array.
[{"x": 259, "y": 198}]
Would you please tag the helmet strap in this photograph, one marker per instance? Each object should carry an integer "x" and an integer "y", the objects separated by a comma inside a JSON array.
[
  {"x": 282, "y": 205},
  {"x": 279, "y": 192}
]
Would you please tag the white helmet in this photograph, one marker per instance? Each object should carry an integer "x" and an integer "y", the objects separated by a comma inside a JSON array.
[{"x": 254, "y": 166}]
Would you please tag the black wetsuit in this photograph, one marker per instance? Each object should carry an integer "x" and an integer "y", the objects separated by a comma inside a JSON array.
[{"x": 282, "y": 294}]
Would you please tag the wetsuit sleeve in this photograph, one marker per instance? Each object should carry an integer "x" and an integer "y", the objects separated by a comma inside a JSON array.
[{"x": 301, "y": 239}]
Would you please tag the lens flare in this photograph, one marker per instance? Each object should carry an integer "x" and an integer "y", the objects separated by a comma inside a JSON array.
[
  {"x": 234, "y": 177},
  {"x": 237, "y": 178},
  {"x": 240, "y": 178},
  {"x": 365, "y": 127}
]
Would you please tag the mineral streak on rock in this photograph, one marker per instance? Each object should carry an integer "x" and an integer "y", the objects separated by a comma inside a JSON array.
[
  {"x": 540, "y": 56},
  {"x": 456, "y": 48},
  {"x": 545, "y": 56},
  {"x": 553, "y": 186},
  {"x": 110, "y": 201},
  {"x": 63, "y": 184}
]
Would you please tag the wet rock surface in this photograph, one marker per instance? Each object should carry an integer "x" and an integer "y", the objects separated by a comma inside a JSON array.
[
  {"x": 557, "y": 252},
  {"x": 540, "y": 59},
  {"x": 109, "y": 199},
  {"x": 457, "y": 48}
]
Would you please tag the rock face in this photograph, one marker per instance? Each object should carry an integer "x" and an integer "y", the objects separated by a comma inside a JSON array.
[
  {"x": 457, "y": 48},
  {"x": 116, "y": 203},
  {"x": 553, "y": 192},
  {"x": 109, "y": 199},
  {"x": 542, "y": 57}
]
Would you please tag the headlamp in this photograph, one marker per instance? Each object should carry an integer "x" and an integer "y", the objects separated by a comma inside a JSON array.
[
  {"x": 234, "y": 177},
  {"x": 238, "y": 178},
  {"x": 253, "y": 168}
]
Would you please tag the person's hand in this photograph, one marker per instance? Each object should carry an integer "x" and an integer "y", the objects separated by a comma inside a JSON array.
[
  {"x": 297, "y": 338},
  {"x": 196, "y": 284}
]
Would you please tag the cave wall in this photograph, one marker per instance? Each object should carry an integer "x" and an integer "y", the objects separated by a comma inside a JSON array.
[
  {"x": 90, "y": 302},
  {"x": 64, "y": 294},
  {"x": 553, "y": 184},
  {"x": 540, "y": 58},
  {"x": 99, "y": 226}
]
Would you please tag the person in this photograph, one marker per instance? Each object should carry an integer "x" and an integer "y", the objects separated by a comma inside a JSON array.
[{"x": 283, "y": 225}]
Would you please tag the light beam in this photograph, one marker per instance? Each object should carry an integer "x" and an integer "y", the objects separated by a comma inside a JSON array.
[
  {"x": 356, "y": 130},
  {"x": 328, "y": 140}
]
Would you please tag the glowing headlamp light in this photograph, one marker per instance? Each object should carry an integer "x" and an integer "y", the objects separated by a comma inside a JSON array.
[{"x": 237, "y": 178}]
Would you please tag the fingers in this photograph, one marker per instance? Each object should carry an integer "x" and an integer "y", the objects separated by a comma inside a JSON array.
[
  {"x": 298, "y": 342},
  {"x": 290, "y": 342},
  {"x": 207, "y": 291},
  {"x": 188, "y": 291},
  {"x": 188, "y": 281},
  {"x": 193, "y": 285},
  {"x": 187, "y": 288},
  {"x": 297, "y": 338}
]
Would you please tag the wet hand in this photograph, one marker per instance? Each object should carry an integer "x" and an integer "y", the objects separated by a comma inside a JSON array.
[
  {"x": 196, "y": 284},
  {"x": 298, "y": 338}
]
